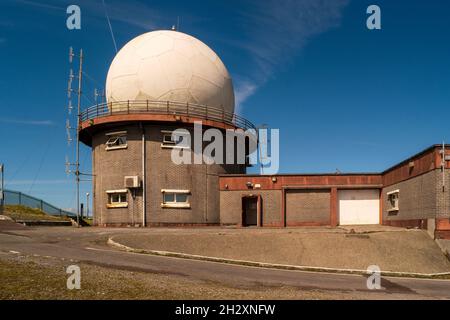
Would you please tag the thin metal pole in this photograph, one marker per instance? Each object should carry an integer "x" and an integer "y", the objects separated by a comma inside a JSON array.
[
  {"x": 2, "y": 195},
  {"x": 144, "y": 173},
  {"x": 87, "y": 204},
  {"x": 77, "y": 163}
]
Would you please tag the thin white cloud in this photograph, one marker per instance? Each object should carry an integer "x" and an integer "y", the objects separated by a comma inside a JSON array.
[
  {"x": 131, "y": 12},
  {"x": 275, "y": 31},
  {"x": 244, "y": 88},
  {"x": 40, "y": 5},
  {"x": 28, "y": 122}
]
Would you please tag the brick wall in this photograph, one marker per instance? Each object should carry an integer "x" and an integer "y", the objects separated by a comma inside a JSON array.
[
  {"x": 417, "y": 201},
  {"x": 421, "y": 197},
  {"x": 442, "y": 195},
  {"x": 442, "y": 221},
  {"x": 231, "y": 206},
  {"x": 110, "y": 167}
]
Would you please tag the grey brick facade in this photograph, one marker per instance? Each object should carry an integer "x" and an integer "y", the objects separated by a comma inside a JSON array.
[
  {"x": 110, "y": 167},
  {"x": 231, "y": 206},
  {"x": 288, "y": 200},
  {"x": 420, "y": 197}
]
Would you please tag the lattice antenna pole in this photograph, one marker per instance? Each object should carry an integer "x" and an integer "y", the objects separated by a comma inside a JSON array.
[
  {"x": 77, "y": 161},
  {"x": 78, "y": 91},
  {"x": 2, "y": 191}
]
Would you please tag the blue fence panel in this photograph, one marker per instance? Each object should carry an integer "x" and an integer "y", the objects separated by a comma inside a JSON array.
[{"x": 19, "y": 198}]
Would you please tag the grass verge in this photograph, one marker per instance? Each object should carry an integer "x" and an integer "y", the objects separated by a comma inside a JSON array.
[
  {"x": 19, "y": 212},
  {"x": 26, "y": 277}
]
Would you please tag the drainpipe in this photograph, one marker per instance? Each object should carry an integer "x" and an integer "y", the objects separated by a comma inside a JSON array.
[
  {"x": 144, "y": 202},
  {"x": 443, "y": 166}
]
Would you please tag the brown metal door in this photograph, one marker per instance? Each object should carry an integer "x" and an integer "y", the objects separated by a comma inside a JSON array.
[{"x": 250, "y": 211}]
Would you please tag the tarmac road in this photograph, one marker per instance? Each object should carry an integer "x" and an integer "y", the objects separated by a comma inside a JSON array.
[{"x": 89, "y": 245}]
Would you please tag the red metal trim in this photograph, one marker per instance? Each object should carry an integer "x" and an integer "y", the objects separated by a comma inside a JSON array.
[
  {"x": 283, "y": 207},
  {"x": 333, "y": 207},
  {"x": 381, "y": 206}
]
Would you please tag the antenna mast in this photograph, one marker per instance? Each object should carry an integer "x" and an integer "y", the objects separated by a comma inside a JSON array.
[
  {"x": 77, "y": 162},
  {"x": 2, "y": 191},
  {"x": 77, "y": 128}
]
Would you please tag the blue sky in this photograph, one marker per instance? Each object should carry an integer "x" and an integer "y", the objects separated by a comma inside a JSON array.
[{"x": 342, "y": 96}]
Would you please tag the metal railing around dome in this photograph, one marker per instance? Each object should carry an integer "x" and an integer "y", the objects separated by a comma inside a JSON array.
[{"x": 165, "y": 107}]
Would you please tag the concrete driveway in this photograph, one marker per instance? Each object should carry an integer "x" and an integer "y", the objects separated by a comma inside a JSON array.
[
  {"x": 88, "y": 245},
  {"x": 392, "y": 249}
]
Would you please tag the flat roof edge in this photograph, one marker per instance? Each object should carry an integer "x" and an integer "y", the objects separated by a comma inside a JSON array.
[
  {"x": 430, "y": 148},
  {"x": 300, "y": 174}
]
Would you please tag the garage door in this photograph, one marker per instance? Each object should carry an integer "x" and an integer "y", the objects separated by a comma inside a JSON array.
[
  {"x": 359, "y": 206},
  {"x": 307, "y": 206}
]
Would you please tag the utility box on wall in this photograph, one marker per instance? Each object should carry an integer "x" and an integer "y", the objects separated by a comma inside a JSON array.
[{"x": 131, "y": 182}]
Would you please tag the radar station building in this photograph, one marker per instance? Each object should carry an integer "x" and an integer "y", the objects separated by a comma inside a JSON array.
[{"x": 163, "y": 81}]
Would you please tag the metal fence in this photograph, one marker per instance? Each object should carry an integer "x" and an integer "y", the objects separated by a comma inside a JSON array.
[
  {"x": 165, "y": 107},
  {"x": 19, "y": 198}
]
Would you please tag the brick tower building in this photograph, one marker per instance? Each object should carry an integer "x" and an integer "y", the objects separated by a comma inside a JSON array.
[{"x": 158, "y": 82}]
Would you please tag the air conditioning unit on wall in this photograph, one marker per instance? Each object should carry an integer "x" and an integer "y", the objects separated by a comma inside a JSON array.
[{"x": 131, "y": 182}]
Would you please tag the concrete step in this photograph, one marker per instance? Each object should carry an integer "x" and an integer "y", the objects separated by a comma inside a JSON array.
[{"x": 44, "y": 223}]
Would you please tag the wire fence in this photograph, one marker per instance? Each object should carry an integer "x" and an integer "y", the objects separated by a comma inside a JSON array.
[{"x": 19, "y": 198}]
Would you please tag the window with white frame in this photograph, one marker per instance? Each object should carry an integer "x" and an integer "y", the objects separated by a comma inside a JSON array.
[
  {"x": 393, "y": 200},
  {"x": 175, "y": 198},
  {"x": 170, "y": 141},
  {"x": 117, "y": 198},
  {"x": 116, "y": 140}
]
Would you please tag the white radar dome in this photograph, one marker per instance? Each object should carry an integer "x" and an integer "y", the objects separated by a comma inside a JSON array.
[{"x": 170, "y": 66}]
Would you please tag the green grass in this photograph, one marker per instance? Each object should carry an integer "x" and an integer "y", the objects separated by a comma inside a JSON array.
[
  {"x": 18, "y": 212},
  {"x": 89, "y": 221},
  {"x": 46, "y": 278}
]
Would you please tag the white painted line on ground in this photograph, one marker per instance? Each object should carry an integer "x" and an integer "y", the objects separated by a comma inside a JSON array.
[
  {"x": 15, "y": 252},
  {"x": 98, "y": 249}
]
